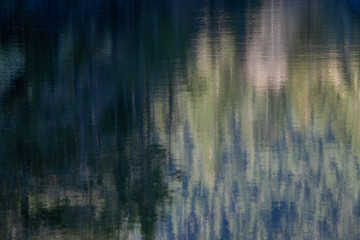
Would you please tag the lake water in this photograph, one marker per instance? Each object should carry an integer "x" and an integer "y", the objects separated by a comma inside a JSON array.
[{"x": 176, "y": 119}]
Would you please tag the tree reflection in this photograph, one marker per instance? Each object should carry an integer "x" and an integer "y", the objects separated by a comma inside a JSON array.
[
  {"x": 252, "y": 105},
  {"x": 79, "y": 156}
]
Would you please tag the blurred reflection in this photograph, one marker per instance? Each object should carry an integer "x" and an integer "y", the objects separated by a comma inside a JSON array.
[
  {"x": 80, "y": 159},
  {"x": 273, "y": 32},
  {"x": 170, "y": 120}
]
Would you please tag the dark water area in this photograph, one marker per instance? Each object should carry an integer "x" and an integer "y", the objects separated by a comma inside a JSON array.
[{"x": 175, "y": 119}]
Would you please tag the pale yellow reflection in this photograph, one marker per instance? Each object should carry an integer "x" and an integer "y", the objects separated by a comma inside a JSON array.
[{"x": 284, "y": 88}]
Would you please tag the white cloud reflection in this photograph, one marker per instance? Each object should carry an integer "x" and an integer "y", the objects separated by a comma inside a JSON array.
[{"x": 272, "y": 34}]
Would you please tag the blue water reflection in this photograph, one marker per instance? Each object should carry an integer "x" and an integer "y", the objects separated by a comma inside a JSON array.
[{"x": 179, "y": 120}]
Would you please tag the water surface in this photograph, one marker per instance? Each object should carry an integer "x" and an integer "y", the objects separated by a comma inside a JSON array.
[{"x": 179, "y": 119}]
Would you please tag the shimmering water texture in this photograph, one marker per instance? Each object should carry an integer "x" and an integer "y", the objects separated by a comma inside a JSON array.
[{"x": 175, "y": 119}]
